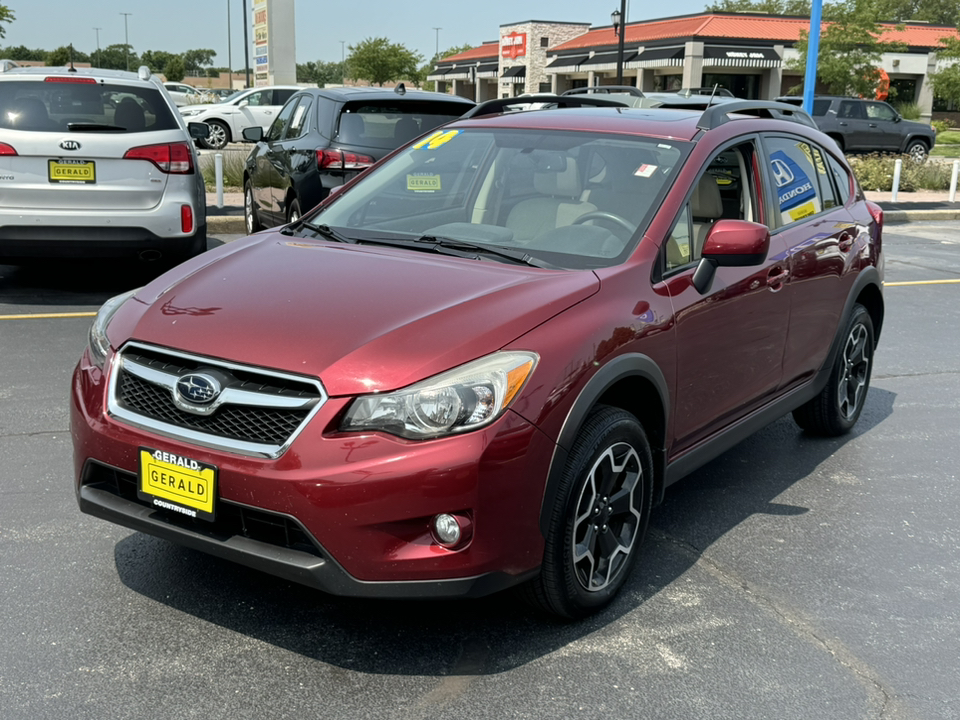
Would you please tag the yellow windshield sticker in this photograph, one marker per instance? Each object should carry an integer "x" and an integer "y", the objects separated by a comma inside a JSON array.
[{"x": 434, "y": 141}]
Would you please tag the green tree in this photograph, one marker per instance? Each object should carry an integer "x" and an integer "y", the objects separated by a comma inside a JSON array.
[
  {"x": 6, "y": 16},
  {"x": 851, "y": 49},
  {"x": 195, "y": 61},
  {"x": 379, "y": 61},
  {"x": 320, "y": 73},
  {"x": 946, "y": 82},
  {"x": 771, "y": 7},
  {"x": 427, "y": 67},
  {"x": 115, "y": 57},
  {"x": 62, "y": 56},
  {"x": 21, "y": 52},
  {"x": 156, "y": 60},
  {"x": 174, "y": 70}
]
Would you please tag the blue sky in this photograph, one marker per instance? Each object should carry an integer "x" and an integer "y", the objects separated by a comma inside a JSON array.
[{"x": 178, "y": 25}]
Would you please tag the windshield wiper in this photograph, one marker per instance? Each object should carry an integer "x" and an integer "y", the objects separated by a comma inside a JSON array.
[
  {"x": 474, "y": 250},
  {"x": 326, "y": 232},
  {"x": 94, "y": 127}
]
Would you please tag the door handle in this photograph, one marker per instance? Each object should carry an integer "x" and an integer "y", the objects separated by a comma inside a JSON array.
[
  {"x": 872, "y": 124},
  {"x": 776, "y": 277},
  {"x": 843, "y": 123}
]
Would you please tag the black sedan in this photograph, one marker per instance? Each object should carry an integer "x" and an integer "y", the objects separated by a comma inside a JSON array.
[{"x": 324, "y": 137}]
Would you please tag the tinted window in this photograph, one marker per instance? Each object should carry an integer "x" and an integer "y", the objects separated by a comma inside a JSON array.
[
  {"x": 78, "y": 107},
  {"x": 280, "y": 123},
  {"x": 827, "y": 191},
  {"x": 387, "y": 124},
  {"x": 850, "y": 109},
  {"x": 281, "y": 96},
  {"x": 795, "y": 179},
  {"x": 820, "y": 107},
  {"x": 841, "y": 176}
]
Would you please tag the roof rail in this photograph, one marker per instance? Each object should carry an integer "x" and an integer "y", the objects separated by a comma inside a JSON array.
[
  {"x": 716, "y": 115},
  {"x": 606, "y": 89},
  {"x": 495, "y": 107}
]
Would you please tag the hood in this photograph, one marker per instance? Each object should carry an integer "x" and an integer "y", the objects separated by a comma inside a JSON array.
[
  {"x": 919, "y": 127},
  {"x": 360, "y": 318}
]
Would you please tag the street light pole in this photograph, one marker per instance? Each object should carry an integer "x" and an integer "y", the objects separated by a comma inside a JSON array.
[
  {"x": 229, "y": 50},
  {"x": 343, "y": 63},
  {"x": 126, "y": 38},
  {"x": 99, "y": 59},
  {"x": 246, "y": 46},
  {"x": 619, "y": 23},
  {"x": 436, "y": 55}
]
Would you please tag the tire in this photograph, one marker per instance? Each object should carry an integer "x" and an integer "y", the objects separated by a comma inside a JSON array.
[
  {"x": 838, "y": 139},
  {"x": 250, "y": 217},
  {"x": 219, "y": 136},
  {"x": 293, "y": 211},
  {"x": 599, "y": 519},
  {"x": 838, "y": 406},
  {"x": 917, "y": 150}
]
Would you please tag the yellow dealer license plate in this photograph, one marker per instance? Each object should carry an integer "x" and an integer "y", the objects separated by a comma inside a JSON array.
[
  {"x": 174, "y": 482},
  {"x": 77, "y": 171}
]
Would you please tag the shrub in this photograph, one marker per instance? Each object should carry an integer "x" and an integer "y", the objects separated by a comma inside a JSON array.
[
  {"x": 233, "y": 162},
  {"x": 941, "y": 126},
  {"x": 909, "y": 110},
  {"x": 875, "y": 172}
]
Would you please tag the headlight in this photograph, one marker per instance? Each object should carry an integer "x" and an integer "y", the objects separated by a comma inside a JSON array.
[
  {"x": 186, "y": 113},
  {"x": 459, "y": 400},
  {"x": 99, "y": 344}
]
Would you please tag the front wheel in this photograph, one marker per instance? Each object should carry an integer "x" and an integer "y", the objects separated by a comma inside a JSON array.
[
  {"x": 917, "y": 150},
  {"x": 293, "y": 211},
  {"x": 838, "y": 406},
  {"x": 219, "y": 136},
  {"x": 600, "y": 517}
]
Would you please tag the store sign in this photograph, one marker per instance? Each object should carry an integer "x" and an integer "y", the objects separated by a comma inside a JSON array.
[{"x": 513, "y": 45}]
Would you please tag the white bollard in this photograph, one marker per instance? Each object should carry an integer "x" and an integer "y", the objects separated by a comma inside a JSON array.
[
  {"x": 897, "y": 167},
  {"x": 218, "y": 171},
  {"x": 953, "y": 181}
]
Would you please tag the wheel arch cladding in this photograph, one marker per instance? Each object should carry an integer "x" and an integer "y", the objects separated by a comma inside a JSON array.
[
  {"x": 631, "y": 382},
  {"x": 871, "y": 298}
]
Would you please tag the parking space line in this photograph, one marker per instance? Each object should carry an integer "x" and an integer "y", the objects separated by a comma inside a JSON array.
[
  {"x": 921, "y": 282},
  {"x": 47, "y": 316}
]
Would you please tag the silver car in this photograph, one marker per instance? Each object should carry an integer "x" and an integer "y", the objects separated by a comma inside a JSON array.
[{"x": 96, "y": 163}]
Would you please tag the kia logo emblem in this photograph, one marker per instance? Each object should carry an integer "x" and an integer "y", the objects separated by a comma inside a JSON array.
[
  {"x": 198, "y": 388},
  {"x": 69, "y": 144}
]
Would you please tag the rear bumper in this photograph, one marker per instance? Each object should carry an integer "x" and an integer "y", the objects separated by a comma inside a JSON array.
[{"x": 44, "y": 241}]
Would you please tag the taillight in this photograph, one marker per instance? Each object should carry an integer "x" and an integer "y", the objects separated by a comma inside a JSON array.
[
  {"x": 7, "y": 149},
  {"x": 333, "y": 159},
  {"x": 174, "y": 158},
  {"x": 876, "y": 212},
  {"x": 186, "y": 219}
]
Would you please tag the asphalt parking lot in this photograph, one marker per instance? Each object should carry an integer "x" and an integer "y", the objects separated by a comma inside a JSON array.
[{"x": 793, "y": 577}]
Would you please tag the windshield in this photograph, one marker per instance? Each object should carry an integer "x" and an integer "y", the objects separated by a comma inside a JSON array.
[
  {"x": 57, "y": 107},
  {"x": 231, "y": 96},
  {"x": 572, "y": 199}
]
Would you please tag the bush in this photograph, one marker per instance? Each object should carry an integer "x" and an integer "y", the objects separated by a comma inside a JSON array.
[
  {"x": 875, "y": 172},
  {"x": 909, "y": 110},
  {"x": 941, "y": 126},
  {"x": 233, "y": 162}
]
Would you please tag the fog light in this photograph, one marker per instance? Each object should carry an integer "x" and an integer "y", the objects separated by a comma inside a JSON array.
[{"x": 447, "y": 529}]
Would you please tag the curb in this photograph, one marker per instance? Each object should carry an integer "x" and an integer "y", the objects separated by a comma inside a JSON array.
[
  {"x": 226, "y": 224},
  {"x": 906, "y": 216}
]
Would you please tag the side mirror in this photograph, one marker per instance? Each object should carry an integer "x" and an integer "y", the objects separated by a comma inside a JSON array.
[
  {"x": 730, "y": 243},
  {"x": 897, "y": 118},
  {"x": 253, "y": 134},
  {"x": 198, "y": 131},
  {"x": 243, "y": 103}
]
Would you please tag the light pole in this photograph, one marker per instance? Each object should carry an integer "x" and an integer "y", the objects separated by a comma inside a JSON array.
[
  {"x": 619, "y": 18},
  {"x": 99, "y": 59},
  {"x": 343, "y": 63},
  {"x": 246, "y": 46},
  {"x": 126, "y": 38},
  {"x": 229, "y": 50},
  {"x": 436, "y": 55}
]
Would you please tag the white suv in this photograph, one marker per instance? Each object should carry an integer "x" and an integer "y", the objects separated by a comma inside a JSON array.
[
  {"x": 249, "y": 108},
  {"x": 96, "y": 163}
]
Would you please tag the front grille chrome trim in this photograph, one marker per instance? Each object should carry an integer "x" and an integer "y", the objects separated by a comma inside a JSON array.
[{"x": 230, "y": 396}]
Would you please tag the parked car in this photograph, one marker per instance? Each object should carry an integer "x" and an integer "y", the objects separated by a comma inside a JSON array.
[
  {"x": 96, "y": 163},
  {"x": 323, "y": 137},
  {"x": 859, "y": 125},
  {"x": 480, "y": 363},
  {"x": 184, "y": 94},
  {"x": 257, "y": 107}
]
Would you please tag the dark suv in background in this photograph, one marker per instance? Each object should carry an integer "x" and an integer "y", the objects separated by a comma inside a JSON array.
[
  {"x": 859, "y": 125},
  {"x": 324, "y": 137}
]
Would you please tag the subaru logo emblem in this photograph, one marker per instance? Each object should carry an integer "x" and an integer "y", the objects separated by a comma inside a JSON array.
[
  {"x": 69, "y": 144},
  {"x": 198, "y": 388},
  {"x": 781, "y": 172}
]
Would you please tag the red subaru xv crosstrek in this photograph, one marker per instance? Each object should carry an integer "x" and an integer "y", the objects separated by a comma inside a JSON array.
[{"x": 481, "y": 362}]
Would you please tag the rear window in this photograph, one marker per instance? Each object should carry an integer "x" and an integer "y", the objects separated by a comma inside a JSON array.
[
  {"x": 388, "y": 124},
  {"x": 39, "y": 106}
]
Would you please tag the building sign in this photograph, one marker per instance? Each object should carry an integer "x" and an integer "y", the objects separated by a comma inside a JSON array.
[
  {"x": 274, "y": 42},
  {"x": 513, "y": 45}
]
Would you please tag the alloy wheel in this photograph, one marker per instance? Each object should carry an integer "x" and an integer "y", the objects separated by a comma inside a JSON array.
[
  {"x": 217, "y": 139},
  {"x": 852, "y": 385},
  {"x": 607, "y": 521}
]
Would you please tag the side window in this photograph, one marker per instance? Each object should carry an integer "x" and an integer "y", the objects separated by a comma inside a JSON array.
[
  {"x": 842, "y": 178},
  {"x": 258, "y": 98},
  {"x": 880, "y": 111},
  {"x": 281, "y": 96},
  {"x": 827, "y": 191},
  {"x": 298, "y": 125},
  {"x": 280, "y": 123},
  {"x": 850, "y": 109},
  {"x": 679, "y": 249},
  {"x": 794, "y": 178}
]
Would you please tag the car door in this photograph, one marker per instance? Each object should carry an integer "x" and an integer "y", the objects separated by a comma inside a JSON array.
[
  {"x": 884, "y": 123},
  {"x": 731, "y": 338},
  {"x": 294, "y": 158},
  {"x": 853, "y": 126},
  {"x": 812, "y": 191},
  {"x": 268, "y": 176}
]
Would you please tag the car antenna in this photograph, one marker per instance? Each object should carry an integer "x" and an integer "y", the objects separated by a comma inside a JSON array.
[
  {"x": 713, "y": 94},
  {"x": 400, "y": 89},
  {"x": 71, "y": 68}
]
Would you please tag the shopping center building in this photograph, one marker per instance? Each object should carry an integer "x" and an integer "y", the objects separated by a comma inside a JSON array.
[{"x": 752, "y": 55}]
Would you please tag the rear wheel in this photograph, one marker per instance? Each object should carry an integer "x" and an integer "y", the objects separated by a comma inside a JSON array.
[
  {"x": 838, "y": 406},
  {"x": 599, "y": 519},
  {"x": 293, "y": 211}
]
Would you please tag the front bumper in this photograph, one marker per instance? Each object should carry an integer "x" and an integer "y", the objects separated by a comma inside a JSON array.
[{"x": 347, "y": 514}]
